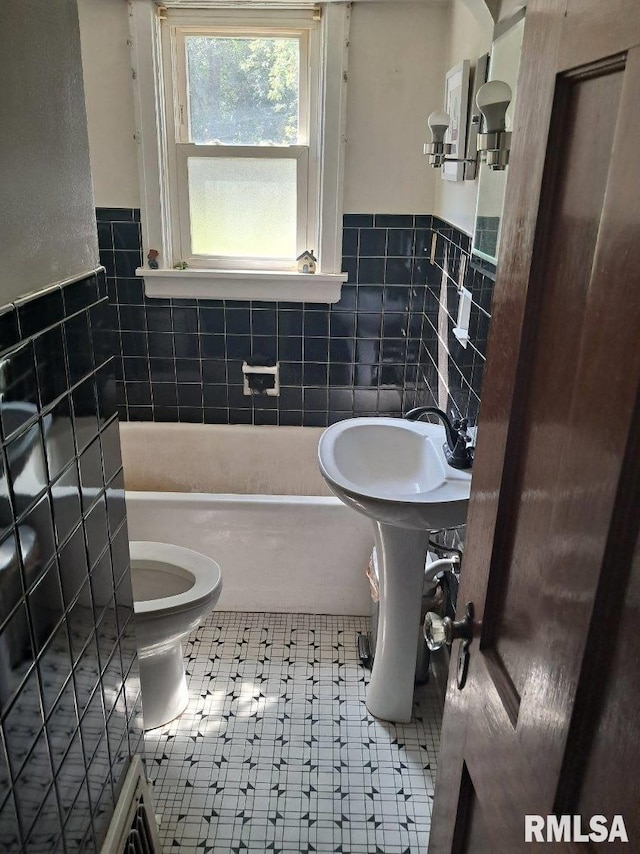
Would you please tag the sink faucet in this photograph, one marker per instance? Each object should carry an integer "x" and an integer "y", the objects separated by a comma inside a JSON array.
[{"x": 456, "y": 452}]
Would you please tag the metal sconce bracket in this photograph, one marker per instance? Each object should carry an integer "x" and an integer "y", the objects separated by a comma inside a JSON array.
[
  {"x": 437, "y": 152},
  {"x": 496, "y": 146}
]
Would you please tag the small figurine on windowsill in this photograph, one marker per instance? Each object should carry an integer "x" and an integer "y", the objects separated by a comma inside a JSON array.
[
  {"x": 152, "y": 259},
  {"x": 181, "y": 265},
  {"x": 307, "y": 262}
]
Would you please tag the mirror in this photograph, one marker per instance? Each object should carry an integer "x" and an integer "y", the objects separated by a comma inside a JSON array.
[{"x": 504, "y": 65}]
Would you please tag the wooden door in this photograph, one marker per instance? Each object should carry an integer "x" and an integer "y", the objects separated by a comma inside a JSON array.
[{"x": 549, "y": 720}]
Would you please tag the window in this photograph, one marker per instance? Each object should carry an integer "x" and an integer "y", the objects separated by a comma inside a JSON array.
[
  {"x": 242, "y": 150},
  {"x": 240, "y": 107}
]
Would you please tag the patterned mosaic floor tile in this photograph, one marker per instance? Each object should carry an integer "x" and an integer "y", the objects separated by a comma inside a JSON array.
[{"x": 277, "y": 752}]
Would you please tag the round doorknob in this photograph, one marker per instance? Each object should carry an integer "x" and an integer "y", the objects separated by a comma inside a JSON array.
[
  {"x": 434, "y": 632},
  {"x": 443, "y": 630}
]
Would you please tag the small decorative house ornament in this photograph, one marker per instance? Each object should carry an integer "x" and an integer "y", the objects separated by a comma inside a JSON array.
[
  {"x": 152, "y": 259},
  {"x": 307, "y": 262}
]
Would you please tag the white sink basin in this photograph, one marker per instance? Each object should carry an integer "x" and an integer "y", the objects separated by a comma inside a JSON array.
[{"x": 395, "y": 471}]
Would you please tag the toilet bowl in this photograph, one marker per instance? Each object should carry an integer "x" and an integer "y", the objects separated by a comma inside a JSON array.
[{"x": 174, "y": 589}]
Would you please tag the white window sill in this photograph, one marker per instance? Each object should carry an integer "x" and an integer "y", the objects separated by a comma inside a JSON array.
[{"x": 243, "y": 285}]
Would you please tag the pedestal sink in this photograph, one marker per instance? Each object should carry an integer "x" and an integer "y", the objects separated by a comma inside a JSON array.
[{"x": 394, "y": 471}]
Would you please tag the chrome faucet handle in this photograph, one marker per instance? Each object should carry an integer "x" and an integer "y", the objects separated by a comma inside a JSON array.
[
  {"x": 461, "y": 425},
  {"x": 455, "y": 449}
]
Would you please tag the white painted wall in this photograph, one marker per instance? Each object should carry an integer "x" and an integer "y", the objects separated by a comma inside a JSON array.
[
  {"x": 470, "y": 36},
  {"x": 396, "y": 76},
  {"x": 397, "y": 55},
  {"x": 47, "y": 228},
  {"x": 104, "y": 28}
]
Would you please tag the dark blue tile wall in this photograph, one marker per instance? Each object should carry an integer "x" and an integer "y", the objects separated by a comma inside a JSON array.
[
  {"x": 375, "y": 352},
  {"x": 70, "y": 712},
  {"x": 451, "y": 374}
]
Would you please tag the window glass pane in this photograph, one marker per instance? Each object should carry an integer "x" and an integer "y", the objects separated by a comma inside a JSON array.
[
  {"x": 243, "y": 91},
  {"x": 243, "y": 206}
]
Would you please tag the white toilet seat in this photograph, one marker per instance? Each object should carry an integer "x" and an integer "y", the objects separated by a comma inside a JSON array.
[{"x": 205, "y": 572}]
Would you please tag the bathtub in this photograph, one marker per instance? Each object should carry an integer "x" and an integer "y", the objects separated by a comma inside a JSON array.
[{"x": 253, "y": 499}]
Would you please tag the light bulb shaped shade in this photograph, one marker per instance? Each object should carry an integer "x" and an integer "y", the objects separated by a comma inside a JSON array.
[
  {"x": 438, "y": 124},
  {"x": 493, "y": 99}
]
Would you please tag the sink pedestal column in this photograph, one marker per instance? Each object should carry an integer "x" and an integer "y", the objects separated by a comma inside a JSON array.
[{"x": 401, "y": 559}]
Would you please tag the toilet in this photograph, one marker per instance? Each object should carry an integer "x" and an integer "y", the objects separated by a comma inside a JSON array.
[{"x": 174, "y": 589}]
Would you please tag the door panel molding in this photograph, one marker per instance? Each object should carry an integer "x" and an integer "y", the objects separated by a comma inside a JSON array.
[
  {"x": 597, "y": 665},
  {"x": 509, "y": 696}
]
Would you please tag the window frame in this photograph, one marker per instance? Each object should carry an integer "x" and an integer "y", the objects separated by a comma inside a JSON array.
[
  {"x": 163, "y": 213},
  {"x": 173, "y": 33}
]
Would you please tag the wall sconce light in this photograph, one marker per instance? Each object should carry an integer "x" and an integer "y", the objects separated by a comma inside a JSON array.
[
  {"x": 437, "y": 148},
  {"x": 493, "y": 99}
]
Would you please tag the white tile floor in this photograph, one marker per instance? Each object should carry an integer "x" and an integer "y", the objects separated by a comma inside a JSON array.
[{"x": 276, "y": 751}]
